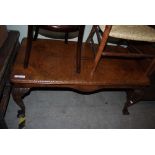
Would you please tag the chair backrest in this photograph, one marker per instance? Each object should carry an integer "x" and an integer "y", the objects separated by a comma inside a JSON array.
[
  {"x": 57, "y": 31},
  {"x": 57, "y": 35},
  {"x": 61, "y": 28}
]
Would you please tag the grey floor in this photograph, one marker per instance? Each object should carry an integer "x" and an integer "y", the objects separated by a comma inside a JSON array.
[{"x": 70, "y": 110}]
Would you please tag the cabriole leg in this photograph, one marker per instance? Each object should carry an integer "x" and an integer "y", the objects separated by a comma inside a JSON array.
[{"x": 18, "y": 94}]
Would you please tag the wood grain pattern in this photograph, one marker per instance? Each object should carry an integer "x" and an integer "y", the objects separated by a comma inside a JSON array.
[{"x": 52, "y": 64}]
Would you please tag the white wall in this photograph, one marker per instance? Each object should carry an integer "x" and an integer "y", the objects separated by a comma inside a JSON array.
[{"x": 23, "y": 30}]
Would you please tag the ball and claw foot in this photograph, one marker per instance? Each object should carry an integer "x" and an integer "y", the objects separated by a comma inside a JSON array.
[
  {"x": 21, "y": 113},
  {"x": 21, "y": 119},
  {"x": 125, "y": 111}
]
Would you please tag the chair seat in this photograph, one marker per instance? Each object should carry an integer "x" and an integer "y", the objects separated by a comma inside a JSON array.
[{"x": 132, "y": 32}]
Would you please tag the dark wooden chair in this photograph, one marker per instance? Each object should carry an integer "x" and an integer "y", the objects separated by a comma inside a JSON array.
[
  {"x": 138, "y": 33},
  {"x": 56, "y": 28}
]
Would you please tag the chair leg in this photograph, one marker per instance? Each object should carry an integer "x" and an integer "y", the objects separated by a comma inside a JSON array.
[
  {"x": 101, "y": 47},
  {"x": 36, "y": 32},
  {"x": 28, "y": 46},
  {"x": 79, "y": 48},
  {"x": 91, "y": 34},
  {"x": 98, "y": 34}
]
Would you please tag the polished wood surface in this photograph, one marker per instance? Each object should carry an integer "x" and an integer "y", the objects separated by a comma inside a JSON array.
[{"x": 52, "y": 64}]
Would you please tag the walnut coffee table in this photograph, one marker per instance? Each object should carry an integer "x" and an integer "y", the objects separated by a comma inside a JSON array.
[{"x": 52, "y": 65}]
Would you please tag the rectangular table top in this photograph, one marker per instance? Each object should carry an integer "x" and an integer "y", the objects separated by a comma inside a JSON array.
[{"x": 53, "y": 64}]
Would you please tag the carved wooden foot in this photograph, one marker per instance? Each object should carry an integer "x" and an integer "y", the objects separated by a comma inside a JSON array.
[
  {"x": 125, "y": 108},
  {"x": 18, "y": 94},
  {"x": 133, "y": 97}
]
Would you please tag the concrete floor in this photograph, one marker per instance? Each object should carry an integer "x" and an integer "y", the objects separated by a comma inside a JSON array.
[{"x": 70, "y": 110}]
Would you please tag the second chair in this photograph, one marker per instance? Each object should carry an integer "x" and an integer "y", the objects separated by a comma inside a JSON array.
[{"x": 142, "y": 33}]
